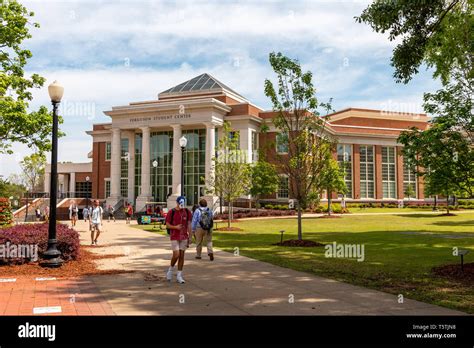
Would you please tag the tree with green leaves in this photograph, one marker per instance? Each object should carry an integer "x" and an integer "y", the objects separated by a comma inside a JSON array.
[
  {"x": 409, "y": 191},
  {"x": 443, "y": 157},
  {"x": 232, "y": 173},
  {"x": 33, "y": 168},
  {"x": 298, "y": 120},
  {"x": 332, "y": 179},
  {"x": 437, "y": 33},
  {"x": 9, "y": 189},
  {"x": 17, "y": 123},
  {"x": 264, "y": 180}
]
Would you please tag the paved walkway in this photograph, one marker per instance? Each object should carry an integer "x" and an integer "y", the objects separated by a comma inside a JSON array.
[
  {"x": 231, "y": 285},
  {"x": 30, "y": 295}
]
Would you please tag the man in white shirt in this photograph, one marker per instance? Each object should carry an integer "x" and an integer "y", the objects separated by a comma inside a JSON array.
[{"x": 96, "y": 219}]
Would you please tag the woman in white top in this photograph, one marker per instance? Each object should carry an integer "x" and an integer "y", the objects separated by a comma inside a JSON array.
[{"x": 73, "y": 212}]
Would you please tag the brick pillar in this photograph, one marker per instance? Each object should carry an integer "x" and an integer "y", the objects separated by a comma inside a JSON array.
[
  {"x": 421, "y": 187},
  {"x": 356, "y": 171},
  {"x": 378, "y": 172},
  {"x": 400, "y": 193},
  {"x": 95, "y": 169}
]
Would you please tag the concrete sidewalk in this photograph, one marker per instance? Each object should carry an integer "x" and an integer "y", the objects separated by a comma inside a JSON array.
[{"x": 231, "y": 285}]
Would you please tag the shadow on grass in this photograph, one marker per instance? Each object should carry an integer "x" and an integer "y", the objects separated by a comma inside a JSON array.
[
  {"x": 430, "y": 216},
  {"x": 454, "y": 223}
]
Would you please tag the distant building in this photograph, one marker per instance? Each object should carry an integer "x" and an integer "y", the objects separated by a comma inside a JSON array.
[{"x": 137, "y": 157}]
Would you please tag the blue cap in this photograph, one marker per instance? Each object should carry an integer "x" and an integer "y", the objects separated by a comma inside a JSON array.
[{"x": 180, "y": 199}]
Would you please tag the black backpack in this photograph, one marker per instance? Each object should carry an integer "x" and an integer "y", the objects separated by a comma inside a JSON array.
[
  {"x": 206, "y": 222},
  {"x": 172, "y": 217}
]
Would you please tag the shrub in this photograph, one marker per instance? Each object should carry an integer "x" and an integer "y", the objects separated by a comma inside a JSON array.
[
  {"x": 37, "y": 234},
  {"x": 6, "y": 216},
  {"x": 269, "y": 206}
]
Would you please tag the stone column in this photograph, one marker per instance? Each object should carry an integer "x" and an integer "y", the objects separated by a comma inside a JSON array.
[
  {"x": 72, "y": 183},
  {"x": 145, "y": 193},
  {"x": 115, "y": 167},
  {"x": 176, "y": 182},
  {"x": 210, "y": 153},
  {"x": 47, "y": 182},
  {"x": 131, "y": 167}
]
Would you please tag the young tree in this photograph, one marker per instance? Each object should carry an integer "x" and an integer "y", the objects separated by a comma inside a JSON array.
[
  {"x": 264, "y": 180},
  {"x": 17, "y": 124},
  {"x": 33, "y": 167},
  {"x": 332, "y": 179},
  {"x": 409, "y": 191},
  {"x": 299, "y": 121},
  {"x": 232, "y": 173}
]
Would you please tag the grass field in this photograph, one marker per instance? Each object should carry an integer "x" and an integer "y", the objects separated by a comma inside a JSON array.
[{"x": 400, "y": 251}]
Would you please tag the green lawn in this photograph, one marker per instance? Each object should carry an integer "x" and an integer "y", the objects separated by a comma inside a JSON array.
[{"x": 395, "y": 262}]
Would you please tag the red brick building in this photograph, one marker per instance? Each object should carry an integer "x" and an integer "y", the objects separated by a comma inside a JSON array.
[{"x": 137, "y": 156}]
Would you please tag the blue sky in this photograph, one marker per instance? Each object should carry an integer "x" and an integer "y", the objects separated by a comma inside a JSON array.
[{"x": 109, "y": 53}]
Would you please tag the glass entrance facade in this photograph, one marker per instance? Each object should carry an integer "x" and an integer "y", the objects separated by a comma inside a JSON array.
[
  {"x": 161, "y": 164},
  {"x": 194, "y": 165}
]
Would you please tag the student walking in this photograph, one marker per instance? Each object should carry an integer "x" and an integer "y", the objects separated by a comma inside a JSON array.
[
  {"x": 201, "y": 226},
  {"x": 38, "y": 214},
  {"x": 73, "y": 212},
  {"x": 85, "y": 214},
  {"x": 178, "y": 223},
  {"x": 96, "y": 219},
  {"x": 111, "y": 212},
  {"x": 128, "y": 213}
]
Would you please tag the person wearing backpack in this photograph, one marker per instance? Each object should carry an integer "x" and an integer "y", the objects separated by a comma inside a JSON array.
[
  {"x": 178, "y": 224},
  {"x": 202, "y": 229}
]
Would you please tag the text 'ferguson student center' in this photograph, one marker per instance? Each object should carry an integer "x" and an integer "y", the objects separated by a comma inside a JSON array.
[{"x": 136, "y": 158}]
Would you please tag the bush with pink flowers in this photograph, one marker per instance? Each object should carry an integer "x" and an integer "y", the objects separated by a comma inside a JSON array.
[{"x": 37, "y": 234}]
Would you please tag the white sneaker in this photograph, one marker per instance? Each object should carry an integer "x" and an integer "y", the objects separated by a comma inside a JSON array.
[
  {"x": 169, "y": 275},
  {"x": 179, "y": 279}
]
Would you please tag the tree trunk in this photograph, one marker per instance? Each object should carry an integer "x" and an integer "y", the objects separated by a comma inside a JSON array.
[
  {"x": 329, "y": 202},
  {"x": 229, "y": 214},
  {"x": 220, "y": 204},
  {"x": 257, "y": 202},
  {"x": 300, "y": 230}
]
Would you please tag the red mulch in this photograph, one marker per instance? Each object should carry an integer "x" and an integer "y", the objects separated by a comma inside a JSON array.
[
  {"x": 228, "y": 229},
  {"x": 83, "y": 266},
  {"x": 299, "y": 243},
  {"x": 453, "y": 271},
  {"x": 329, "y": 217}
]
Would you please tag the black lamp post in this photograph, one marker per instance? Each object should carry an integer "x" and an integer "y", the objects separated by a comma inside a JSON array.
[
  {"x": 51, "y": 258},
  {"x": 182, "y": 142}
]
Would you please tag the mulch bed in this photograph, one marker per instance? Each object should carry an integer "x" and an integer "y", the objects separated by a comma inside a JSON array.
[
  {"x": 446, "y": 214},
  {"x": 299, "y": 243},
  {"x": 453, "y": 271},
  {"x": 84, "y": 266},
  {"x": 228, "y": 229}
]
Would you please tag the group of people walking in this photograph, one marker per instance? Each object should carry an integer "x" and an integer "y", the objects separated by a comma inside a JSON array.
[
  {"x": 95, "y": 216},
  {"x": 182, "y": 225}
]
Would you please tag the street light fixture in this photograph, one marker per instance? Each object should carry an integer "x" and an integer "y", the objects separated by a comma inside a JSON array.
[
  {"x": 52, "y": 255},
  {"x": 182, "y": 142}
]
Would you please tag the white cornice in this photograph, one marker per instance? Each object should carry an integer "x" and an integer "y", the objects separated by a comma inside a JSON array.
[{"x": 168, "y": 106}]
